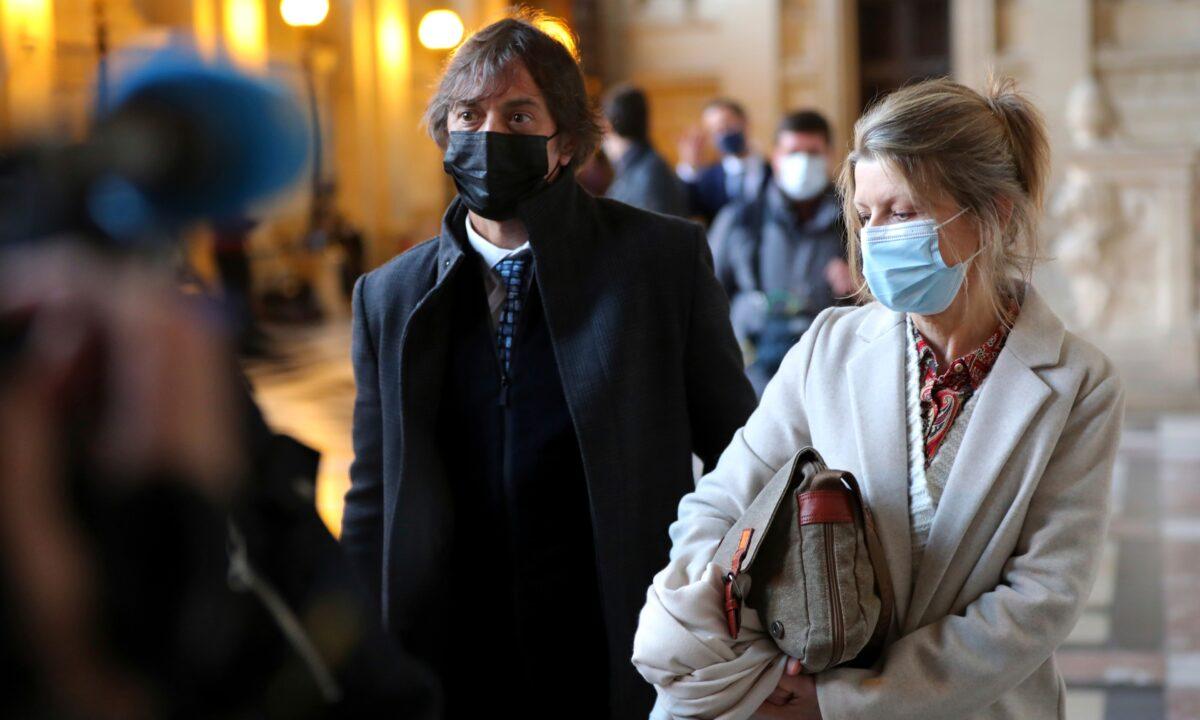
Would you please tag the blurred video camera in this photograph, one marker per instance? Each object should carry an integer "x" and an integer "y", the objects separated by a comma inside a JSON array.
[
  {"x": 185, "y": 603},
  {"x": 179, "y": 140}
]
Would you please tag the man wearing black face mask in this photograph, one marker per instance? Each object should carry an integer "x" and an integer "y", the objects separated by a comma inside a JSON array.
[{"x": 532, "y": 384}]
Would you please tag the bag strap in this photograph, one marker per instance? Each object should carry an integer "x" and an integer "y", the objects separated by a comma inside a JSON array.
[{"x": 733, "y": 594}]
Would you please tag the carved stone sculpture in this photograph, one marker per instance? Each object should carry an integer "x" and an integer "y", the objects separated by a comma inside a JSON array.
[
  {"x": 1090, "y": 118},
  {"x": 1088, "y": 211}
]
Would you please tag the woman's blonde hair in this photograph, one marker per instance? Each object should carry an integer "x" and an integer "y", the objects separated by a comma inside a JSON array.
[{"x": 989, "y": 153}]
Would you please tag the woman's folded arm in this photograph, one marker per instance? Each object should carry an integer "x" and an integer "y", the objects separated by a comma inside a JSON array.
[{"x": 681, "y": 645}]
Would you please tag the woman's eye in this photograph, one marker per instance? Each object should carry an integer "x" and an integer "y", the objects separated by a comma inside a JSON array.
[
  {"x": 466, "y": 116},
  {"x": 864, "y": 219},
  {"x": 902, "y": 216},
  {"x": 521, "y": 117}
]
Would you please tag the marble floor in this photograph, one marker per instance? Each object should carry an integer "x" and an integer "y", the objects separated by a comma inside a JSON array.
[{"x": 1135, "y": 653}]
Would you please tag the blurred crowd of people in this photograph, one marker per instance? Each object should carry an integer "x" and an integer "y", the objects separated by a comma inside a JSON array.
[{"x": 774, "y": 219}]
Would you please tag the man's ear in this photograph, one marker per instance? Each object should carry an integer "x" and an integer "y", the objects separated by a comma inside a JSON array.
[{"x": 566, "y": 151}]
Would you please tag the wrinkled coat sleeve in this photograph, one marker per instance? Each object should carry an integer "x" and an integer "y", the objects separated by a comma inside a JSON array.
[{"x": 681, "y": 646}]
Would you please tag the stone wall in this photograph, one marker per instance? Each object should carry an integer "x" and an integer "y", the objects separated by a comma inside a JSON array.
[{"x": 1119, "y": 82}]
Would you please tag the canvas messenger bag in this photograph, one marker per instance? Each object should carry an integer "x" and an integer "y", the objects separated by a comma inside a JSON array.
[{"x": 806, "y": 556}]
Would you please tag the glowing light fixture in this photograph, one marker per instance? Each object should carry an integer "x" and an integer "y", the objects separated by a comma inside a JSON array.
[
  {"x": 27, "y": 54},
  {"x": 304, "y": 13},
  {"x": 393, "y": 41},
  {"x": 245, "y": 29},
  {"x": 440, "y": 30}
]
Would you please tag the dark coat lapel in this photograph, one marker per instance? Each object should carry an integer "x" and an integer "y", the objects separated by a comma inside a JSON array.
[
  {"x": 419, "y": 503},
  {"x": 563, "y": 224}
]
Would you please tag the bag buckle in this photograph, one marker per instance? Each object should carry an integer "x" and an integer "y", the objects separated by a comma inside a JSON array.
[{"x": 736, "y": 587}]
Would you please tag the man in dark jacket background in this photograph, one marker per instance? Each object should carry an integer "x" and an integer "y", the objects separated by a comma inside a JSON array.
[
  {"x": 643, "y": 179},
  {"x": 531, "y": 386}
]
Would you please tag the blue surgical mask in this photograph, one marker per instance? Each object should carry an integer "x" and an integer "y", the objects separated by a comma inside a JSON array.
[{"x": 905, "y": 269}]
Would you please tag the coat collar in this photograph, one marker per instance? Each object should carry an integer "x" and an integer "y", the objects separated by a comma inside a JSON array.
[
  {"x": 875, "y": 378},
  {"x": 1038, "y": 335},
  {"x": 1009, "y": 400},
  {"x": 1036, "y": 338},
  {"x": 452, "y": 240},
  {"x": 552, "y": 217},
  {"x": 566, "y": 229},
  {"x": 827, "y": 211},
  {"x": 635, "y": 154}
]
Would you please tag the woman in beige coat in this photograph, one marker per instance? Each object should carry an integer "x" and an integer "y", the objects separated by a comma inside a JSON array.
[{"x": 982, "y": 432}]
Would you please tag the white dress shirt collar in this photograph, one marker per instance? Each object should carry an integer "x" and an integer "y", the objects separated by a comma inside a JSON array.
[
  {"x": 490, "y": 253},
  {"x": 733, "y": 164}
]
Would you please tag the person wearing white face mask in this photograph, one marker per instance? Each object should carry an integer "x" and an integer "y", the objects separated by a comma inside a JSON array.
[
  {"x": 982, "y": 433},
  {"x": 779, "y": 254}
]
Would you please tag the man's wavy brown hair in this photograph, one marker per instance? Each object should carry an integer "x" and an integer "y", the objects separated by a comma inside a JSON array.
[{"x": 485, "y": 63}]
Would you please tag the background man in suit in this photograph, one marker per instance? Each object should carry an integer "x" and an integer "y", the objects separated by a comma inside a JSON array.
[
  {"x": 531, "y": 386},
  {"x": 643, "y": 179},
  {"x": 740, "y": 173}
]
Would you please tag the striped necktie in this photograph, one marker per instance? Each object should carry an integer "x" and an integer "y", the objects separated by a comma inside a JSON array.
[{"x": 512, "y": 272}]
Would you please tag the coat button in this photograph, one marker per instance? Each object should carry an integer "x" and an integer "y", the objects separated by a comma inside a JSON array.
[{"x": 777, "y": 630}]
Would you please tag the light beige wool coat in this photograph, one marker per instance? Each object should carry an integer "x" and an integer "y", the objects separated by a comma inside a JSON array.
[{"x": 1011, "y": 556}]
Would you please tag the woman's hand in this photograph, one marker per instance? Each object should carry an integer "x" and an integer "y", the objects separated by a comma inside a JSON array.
[{"x": 794, "y": 699}]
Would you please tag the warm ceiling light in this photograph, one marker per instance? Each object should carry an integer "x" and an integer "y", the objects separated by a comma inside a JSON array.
[
  {"x": 440, "y": 30},
  {"x": 304, "y": 13}
]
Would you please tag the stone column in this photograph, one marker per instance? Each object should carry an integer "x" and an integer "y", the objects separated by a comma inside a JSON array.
[{"x": 1141, "y": 266}]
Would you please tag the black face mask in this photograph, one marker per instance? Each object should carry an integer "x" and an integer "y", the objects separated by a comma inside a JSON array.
[{"x": 494, "y": 171}]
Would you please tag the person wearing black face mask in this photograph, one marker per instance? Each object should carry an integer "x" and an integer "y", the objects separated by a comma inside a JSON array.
[
  {"x": 740, "y": 175},
  {"x": 532, "y": 385},
  {"x": 494, "y": 171}
]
